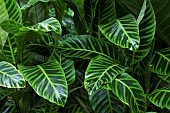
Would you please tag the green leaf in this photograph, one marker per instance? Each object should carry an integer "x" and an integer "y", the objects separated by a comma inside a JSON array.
[
  {"x": 10, "y": 77},
  {"x": 80, "y": 6},
  {"x": 160, "y": 97},
  {"x": 122, "y": 32},
  {"x": 85, "y": 47},
  {"x": 10, "y": 50},
  {"x": 129, "y": 91},
  {"x": 147, "y": 27},
  {"x": 32, "y": 2},
  {"x": 105, "y": 12},
  {"x": 11, "y": 26},
  {"x": 101, "y": 71},
  {"x": 48, "y": 80},
  {"x": 67, "y": 65},
  {"x": 161, "y": 9},
  {"x": 160, "y": 62},
  {"x": 105, "y": 101},
  {"x": 50, "y": 24},
  {"x": 9, "y": 9}
]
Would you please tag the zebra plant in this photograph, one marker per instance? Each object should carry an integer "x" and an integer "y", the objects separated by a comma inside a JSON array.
[{"x": 83, "y": 56}]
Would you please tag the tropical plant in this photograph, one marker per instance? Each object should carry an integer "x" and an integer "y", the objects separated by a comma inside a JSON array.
[{"x": 84, "y": 56}]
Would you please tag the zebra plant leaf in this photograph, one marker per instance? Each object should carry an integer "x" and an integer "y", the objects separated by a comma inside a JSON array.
[
  {"x": 32, "y": 2},
  {"x": 9, "y": 9},
  {"x": 147, "y": 27},
  {"x": 10, "y": 77},
  {"x": 101, "y": 71},
  {"x": 123, "y": 32},
  {"x": 85, "y": 47},
  {"x": 129, "y": 91},
  {"x": 11, "y": 26},
  {"x": 66, "y": 64},
  {"x": 160, "y": 62},
  {"x": 50, "y": 24},
  {"x": 160, "y": 97},
  {"x": 48, "y": 80},
  {"x": 105, "y": 101}
]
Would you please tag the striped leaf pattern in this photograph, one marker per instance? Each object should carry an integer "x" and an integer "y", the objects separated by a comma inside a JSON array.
[
  {"x": 9, "y": 9},
  {"x": 147, "y": 27},
  {"x": 66, "y": 64},
  {"x": 123, "y": 32},
  {"x": 90, "y": 9},
  {"x": 129, "y": 91},
  {"x": 160, "y": 97},
  {"x": 101, "y": 71},
  {"x": 105, "y": 101},
  {"x": 32, "y": 2},
  {"x": 14, "y": 10},
  {"x": 160, "y": 62},
  {"x": 11, "y": 26},
  {"x": 48, "y": 80},
  {"x": 10, "y": 50},
  {"x": 76, "y": 108},
  {"x": 50, "y": 24},
  {"x": 85, "y": 47},
  {"x": 10, "y": 77},
  {"x": 105, "y": 12}
]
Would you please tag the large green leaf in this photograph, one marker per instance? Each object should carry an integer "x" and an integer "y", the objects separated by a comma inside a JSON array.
[
  {"x": 147, "y": 27},
  {"x": 11, "y": 26},
  {"x": 160, "y": 62},
  {"x": 105, "y": 101},
  {"x": 123, "y": 32},
  {"x": 85, "y": 47},
  {"x": 67, "y": 65},
  {"x": 129, "y": 91},
  {"x": 160, "y": 97},
  {"x": 101, "y": 71},
  {"x": 9, "y": 9},
  {"x": 32, "y": 2},
  {"x": 10, "y": 77},
  {"x": 48, "y": 80},
  {"x": 161, "y": 9},
  {"x": 80, "y": 7},
  {"x": 50, "y": 24},
  {"x": 105, "y": 12}
]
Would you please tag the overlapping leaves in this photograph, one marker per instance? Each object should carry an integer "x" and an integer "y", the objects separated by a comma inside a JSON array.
[
  {"x": 129, "y": 91},
  {"x": 147, "y": 27},
  {"x": 123, "y": 32},
  {"x": 10, "y": 77},
  {"x": 48, "y": 80},
  {"x": 160, "y": 62},
  {"x": 67, "y": 65},
  {"x": 101, "y": 71},
  {"x": 160, "y": 97},
  {"x": 9, "y": 9}
]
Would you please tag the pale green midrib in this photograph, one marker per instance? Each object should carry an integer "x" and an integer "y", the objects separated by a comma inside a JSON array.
[
  {"x": 85, "y": 51},
  {"x": 13, "y": 58},
  {"x": 131, "y": 93},
  {"x": 103, "y": 74},
  {"x": 109, "y": 99},
  {"x": 162, "y": 56},
  {"x": 49, "y": 81},
  {"x": 123, "y": 29}
]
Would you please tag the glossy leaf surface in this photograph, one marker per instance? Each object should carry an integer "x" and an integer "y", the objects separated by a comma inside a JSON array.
[
  {"x": 105, "y": 101},
  {"x": 101, "y": 71},
  {"x": 123, "y": 32},
  {"x": 129, "y": 91},
  {"x": 85, "y": 47},
  {"x": 10, "y": 77},
  {"x": 160, "y": 97},
  {"x": 48, "y": 80}
]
